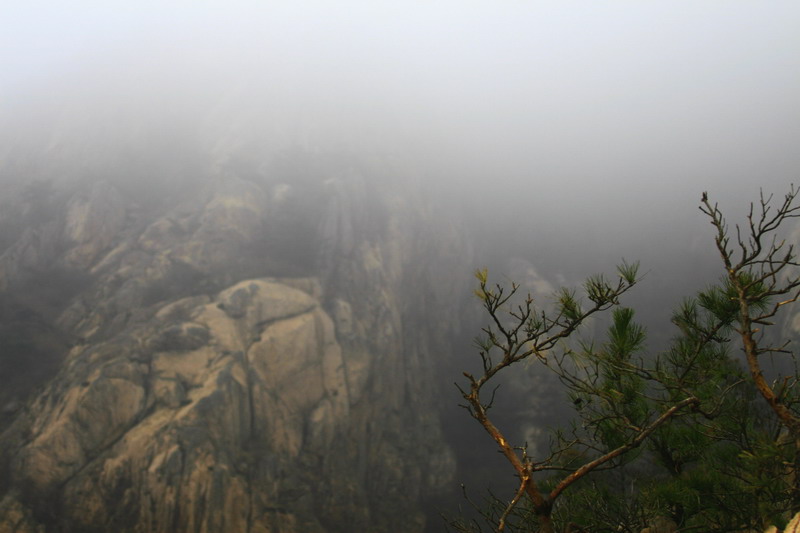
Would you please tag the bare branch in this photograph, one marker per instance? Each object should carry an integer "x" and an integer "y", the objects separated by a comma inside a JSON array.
[{"x": 523, "y": 482}]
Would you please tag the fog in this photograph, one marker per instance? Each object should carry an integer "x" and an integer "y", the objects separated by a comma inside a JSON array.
[
  {"x": 585, "y": 131},
  {"x": 557, "y": 98},
  {"x": 570, "y": 133},
  {"x": 566, "y": 135}
]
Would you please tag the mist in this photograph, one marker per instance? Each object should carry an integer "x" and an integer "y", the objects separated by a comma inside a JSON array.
[
  {"x": 564, "y": 136},
  {"x": 609, "y": 111},
  {"x": 569, "y": 134}
]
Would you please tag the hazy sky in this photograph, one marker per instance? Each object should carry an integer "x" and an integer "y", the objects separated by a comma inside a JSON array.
[{"x": 618, "y": 112}]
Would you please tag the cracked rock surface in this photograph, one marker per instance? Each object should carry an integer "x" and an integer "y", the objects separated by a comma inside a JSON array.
[{"x": 218, "y": 377}]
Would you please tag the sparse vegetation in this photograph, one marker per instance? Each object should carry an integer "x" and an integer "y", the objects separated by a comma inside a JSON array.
[{"x": 695, "y": 438}]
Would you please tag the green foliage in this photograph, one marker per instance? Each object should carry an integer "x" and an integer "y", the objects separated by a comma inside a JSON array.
[
  {"x": 568, "y": 304},
  {"x": 694, "y": 436},
  {"x": 629, "y": 272}
]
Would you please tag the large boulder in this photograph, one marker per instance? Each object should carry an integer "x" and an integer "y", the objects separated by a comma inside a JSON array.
[{"x": 220, "y": 379}]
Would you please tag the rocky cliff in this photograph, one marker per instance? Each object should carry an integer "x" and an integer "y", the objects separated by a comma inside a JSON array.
[{"x": 256, "y": 354}]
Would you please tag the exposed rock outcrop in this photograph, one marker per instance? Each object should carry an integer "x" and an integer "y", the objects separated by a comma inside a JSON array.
[{"x": 225, "y": 377}]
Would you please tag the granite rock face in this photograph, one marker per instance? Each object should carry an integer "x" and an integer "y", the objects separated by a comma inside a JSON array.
[{"x": 260, "y": 356}]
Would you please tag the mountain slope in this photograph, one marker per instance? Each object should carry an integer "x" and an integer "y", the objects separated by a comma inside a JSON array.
[{"x": 257, "y": 355}]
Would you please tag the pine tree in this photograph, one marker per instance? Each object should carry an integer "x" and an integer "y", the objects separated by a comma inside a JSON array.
[{"x": 695, "y": 438}]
